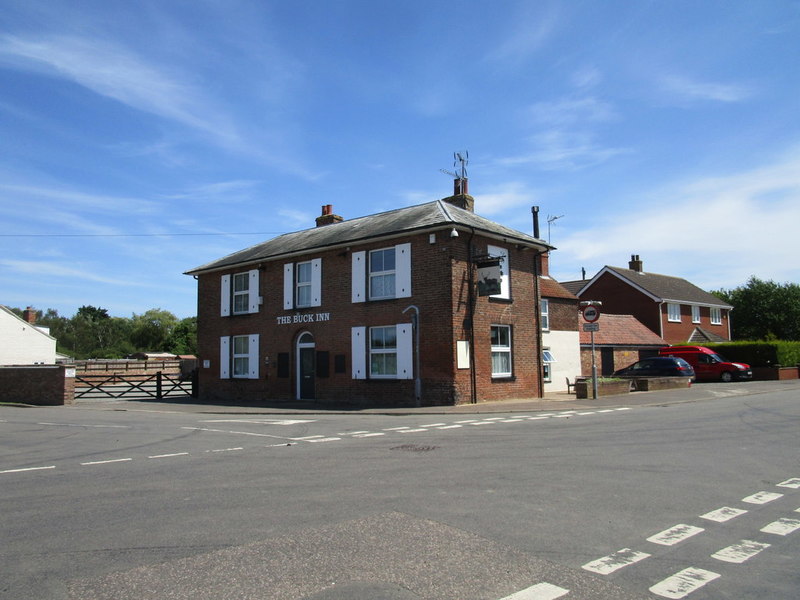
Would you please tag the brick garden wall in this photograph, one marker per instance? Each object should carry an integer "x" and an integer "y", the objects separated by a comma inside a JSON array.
[{"x": 42, "y": 385}]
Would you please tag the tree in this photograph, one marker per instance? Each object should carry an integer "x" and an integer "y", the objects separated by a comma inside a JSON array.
[
  {"x": 764, "y": 310},
  {"x": 151, "y": 331},
  {"x": 184, "y": 337}
]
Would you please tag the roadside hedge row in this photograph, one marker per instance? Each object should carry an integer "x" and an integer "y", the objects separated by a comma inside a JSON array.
[{"x": 760, "y": 354}]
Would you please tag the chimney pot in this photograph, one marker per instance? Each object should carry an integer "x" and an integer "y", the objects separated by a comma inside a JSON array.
[
  {"x": 29, "y": 315},
  {"x": 635, "y": 263}
]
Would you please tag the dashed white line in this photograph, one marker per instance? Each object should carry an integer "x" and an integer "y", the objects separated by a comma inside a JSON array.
[
  {"x": 684, "y": 583},
  {"x": 169, "y": 455},
  {"x": 726, "y": 513},
  {"x": 396, "y": 428},
  {"x": 782, "y": 527},
  {"x": 366, "y": 435},
  {"x": 105, "y": 462},
  {"x": 450, "y": 427},
  {"x": 89, "y": 426},
  {"x": 540, "y": 591},
  {"x": 324, "y": 439},
  {"x": 738, "y": 553},
  {"x": 674, "y": 535},
  {"x": 466, "y": 421},
  {"x": 538, "y": 418},
  {"x": 614, "y": 562},
  {"x": 226, "y": 449},
  {"x": 762, "y": 497},
  {"x": 28, "y": 469},
  {"x": 793, "y": 483},
  {"x": 411, "y": 430}
]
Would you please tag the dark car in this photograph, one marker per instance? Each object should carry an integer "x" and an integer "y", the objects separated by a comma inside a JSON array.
[{"x": 658, "y": 366}]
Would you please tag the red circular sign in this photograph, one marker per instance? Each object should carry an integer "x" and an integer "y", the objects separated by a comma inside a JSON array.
[{"x": 591, "y": 313}]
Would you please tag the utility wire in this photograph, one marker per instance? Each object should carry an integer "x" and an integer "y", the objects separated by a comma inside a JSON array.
[{"x": 134, "y": 234}]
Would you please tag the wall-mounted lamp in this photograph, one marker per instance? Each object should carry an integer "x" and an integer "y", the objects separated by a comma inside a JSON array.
[{"x": 453, "y": 233}]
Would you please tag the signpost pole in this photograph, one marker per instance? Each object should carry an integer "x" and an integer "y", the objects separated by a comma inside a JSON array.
[
  {"x": 591, "y": 313},
  {"x": 594, "y": 369}
]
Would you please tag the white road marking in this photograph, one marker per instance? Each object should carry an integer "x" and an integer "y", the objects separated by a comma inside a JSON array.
[
  {"x": 226, "y": 449},
  {"x": 511, "y": 421},
  {"x": 169, "y": 455},
  {"x": 583, "y": 414},
  {"x": 674, "y": 535},
  {"x": 450, "y": 427},
  {"x": 352, "y": 432},
  {"x": 396, "y": 428},
  {"x": 27, "y": 469},
  {"x": 684, "y": 583},
  {"x": 605, "y": 410},
  {"x": 411, "y": 430},
  {"x": 623, "y": 408},
  {"x": 538, "y": 418},
  {"x": 540, "y": 591},
  {"x": 278, "y": 437},
  {"x": 564, "y": 416},
  {"x": 366, "y": 435},
  {"x": 738, "y": 553},
  {"x": 782, "y": 527},
  {"x": 262, "y": 421},
  {"x": 307, "y": 438},
  {"x": 726, "y": 513},
  {"x": 793, "y": 483},
  {"x": 328, "y": 439},
  {"x": 614, "y": 562},
  {"x": 466, "y": 421},
  {"x": 434, "y": 425},
  {"x": 105, "y": 462},
  {"x": 91, "y": 426},
  {"x": 494, "y": 418},
  {"x": 762, "y": 497}
]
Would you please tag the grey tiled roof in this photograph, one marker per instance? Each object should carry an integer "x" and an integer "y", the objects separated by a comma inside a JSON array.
[
  {"x": 666, "y": 287},
  {"x": 431, "y": 215}
]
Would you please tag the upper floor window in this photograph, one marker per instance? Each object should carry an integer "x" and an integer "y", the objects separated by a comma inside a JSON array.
[
  {"x": 716, "y": 316},
  {"x": 239, "y": 293},
  {"x": 673, "y": 312},
  {"x": 695, "y": 314},
  {"x": 505, "y": 269},
  {"x": 302, "y": 284},
  {"x": 382, "y": 274},
  {"x": 501, "y": 350},
  {"x": 545, "y": 314}
]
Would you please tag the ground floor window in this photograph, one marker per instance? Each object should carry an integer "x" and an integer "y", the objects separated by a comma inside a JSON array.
[
  {"x": 383, "y": 351},
  {"x": 239, "y": 356},
  {"x": 547, "y": 367},
  {"x": 501, "y": 350}
]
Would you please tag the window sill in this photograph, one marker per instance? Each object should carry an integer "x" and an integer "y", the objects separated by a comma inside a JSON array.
[{"x": 503, "y": 378}]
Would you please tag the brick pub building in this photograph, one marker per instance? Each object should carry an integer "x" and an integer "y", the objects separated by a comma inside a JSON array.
[{"x": 382, "y": 310}]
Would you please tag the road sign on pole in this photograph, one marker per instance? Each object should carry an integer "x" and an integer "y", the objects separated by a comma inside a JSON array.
[{"x": 591, "y": 313}]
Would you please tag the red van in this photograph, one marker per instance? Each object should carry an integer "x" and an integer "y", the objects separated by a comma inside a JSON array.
[{"x": 708, "y": 365}]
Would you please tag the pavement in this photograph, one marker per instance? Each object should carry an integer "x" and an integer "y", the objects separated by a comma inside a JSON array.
[{"x": 562, "y": 401}]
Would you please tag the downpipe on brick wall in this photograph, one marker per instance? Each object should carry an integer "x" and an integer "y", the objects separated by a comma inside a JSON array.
[{"x": 417, "y": 380}]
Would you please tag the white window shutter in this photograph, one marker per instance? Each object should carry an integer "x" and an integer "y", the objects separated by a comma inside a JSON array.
[
  {"x": 225, "y": 357},
  {"x": 402, "y": 257},
  {"x": 252, "y": 291},
  {"x": 359, "y": 281},
  {"x": 405, "y": 351},
  {"x": 316, "y": 282},
  {"x": 359, "y": 352},
  {"x": 505, "y": 280},
  {"x": 252, "y": 356},
  {"x": 288, "y": 286},
  {"x": 225, "y": 296}
]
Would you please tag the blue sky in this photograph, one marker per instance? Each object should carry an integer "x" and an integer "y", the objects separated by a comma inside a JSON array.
[{"x": 142, "y": 139}]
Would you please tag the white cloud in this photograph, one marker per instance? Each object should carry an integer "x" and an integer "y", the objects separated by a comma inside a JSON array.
[
  {"x": 715, "y": 231},
  {"x": 60, "y": 270},
  {"x": 504, "y": 198},
  {"x": 684, "y": 88},
  {"x": 557, "y": 149},
  {"x": 570, "y": 111}
]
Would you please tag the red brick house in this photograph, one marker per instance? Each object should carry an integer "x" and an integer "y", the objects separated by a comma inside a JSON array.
[
  {"x": 671, "y": 307},
  {"x": 378, "y": 310}
]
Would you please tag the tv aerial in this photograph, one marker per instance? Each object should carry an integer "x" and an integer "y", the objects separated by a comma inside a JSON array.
[
  {"x": 550, "y": 220},
  {"x": 460, "y": 159}
]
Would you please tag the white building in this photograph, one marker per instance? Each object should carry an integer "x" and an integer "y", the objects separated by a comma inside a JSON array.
[{"x": 22, "y": 343}]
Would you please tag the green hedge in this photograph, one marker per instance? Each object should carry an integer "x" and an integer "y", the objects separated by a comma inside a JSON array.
[{"x": 760, "y": 354}]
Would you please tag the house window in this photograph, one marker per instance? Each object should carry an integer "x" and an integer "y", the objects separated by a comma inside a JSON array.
[
  {"x": 547, "y": 360},
  {"x": 241, "y": 356},
  {"x": 695, "y": 314},
  {"x": 674, "y": 312},
  {"x": 505, "y": 278},
  {"x": 716, "y": 316},
  {"x": 302, "y": 284},
  {"x": 545, "y": 315},
  {"x": 239, "y": 293},
  {"x": 381, "y": 274},
  {"x": 383, "y": 352},
  {"x": 501, "y": 350}
]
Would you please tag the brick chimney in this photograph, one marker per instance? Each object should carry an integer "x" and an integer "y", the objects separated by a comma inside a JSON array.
[
  {"x": 29, "y": 315},
  {"x": 461, "y": 197},
  {"x": 327, "y": 217},
  {"x": 635, "y": 264}
]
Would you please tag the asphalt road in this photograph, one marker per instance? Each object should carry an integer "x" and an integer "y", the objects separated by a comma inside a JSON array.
[{"x": 697, "y": 500}]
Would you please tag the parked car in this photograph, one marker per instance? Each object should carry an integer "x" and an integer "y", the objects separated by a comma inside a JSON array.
[
  {"x": 708, "y": 365},
  {"x": 658, "y": 366}
]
